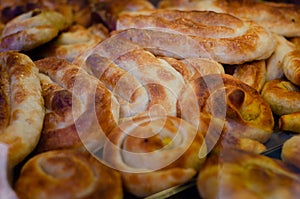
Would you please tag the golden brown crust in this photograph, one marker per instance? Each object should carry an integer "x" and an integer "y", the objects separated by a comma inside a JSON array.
[
  {"x": 244, "y": 144},
  {"x": 22, "y": 105},
  {"x": 282, "y": 95},
  {"x": 76, "y": 12},
  {"x": 291, "y": 66},
  {"x": 131, "y": 94},
  {"x": 191, "y": 68},
  {"x": 226, "y": 101},
  {"x": 290, "y": 122},
  {"x": 252, "y": 73},
  {"x": 94, "y": 112},
  {"x": 290, "y": 151},
  {"x": 59, "y": 130},
  {"x": 280, "y": 18},
  {"x": 160, "y": 80},
  {"x": 31, "y": 29},
  {"x": 238, "y": 174},
  {"x": 67, "y": 174},
  {"x": 148, "y": 150},
  {"x": 109, "y": 10},
  {"x": 275, "y": 61},
  {"x": 74, "y": 41},
  {"x": 218, "y": 36},
  {"x": 142, "y": 82}
]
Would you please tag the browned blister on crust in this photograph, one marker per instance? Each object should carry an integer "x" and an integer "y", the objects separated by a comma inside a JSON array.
[{"x": 22, "y": 105}]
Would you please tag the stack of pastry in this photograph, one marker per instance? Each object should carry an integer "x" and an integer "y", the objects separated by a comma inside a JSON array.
[{"x": 101, "y": 96}]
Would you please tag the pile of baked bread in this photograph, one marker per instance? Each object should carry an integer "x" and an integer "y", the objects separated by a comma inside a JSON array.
[{"x": 105, "y": 98}]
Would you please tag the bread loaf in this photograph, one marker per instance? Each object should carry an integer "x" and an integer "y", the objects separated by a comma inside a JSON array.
[
  {"x": 21, "y": 104},
  {"x": 280, "y": 18}
]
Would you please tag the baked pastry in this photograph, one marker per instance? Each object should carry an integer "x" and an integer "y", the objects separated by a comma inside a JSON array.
[
  {"x": 154, "y": 153},
  {"x": 59, "y": 129},
  {"x": 21, "y": 105},
  {"x": 290, "y": 151},
  {"x": 110, "y": 49},
  {"x": 73, "y": 41},
  {"x": 32, "y": 29},
  {"x": 274, "y": 63},
  {"x": 246, "y": 144},
  {"x": 280, "y": 18},
  {"x": 83, "y": 106},
  {"x": 252, "y": 73},
  {"x": 67, "y": 174},
  {"x": 238, "y": 174},
  {"x": 291, "y": 66},
  {"x": 282, "y": 95},
  {"x": 216, "y": 138},
  {"x": 141, "y": 81},
  {"x": 218, "y": 36},
  {"x": 217, "y": 103},
  {"x": 162, "y": 82},
  {"x": 76, "y": 12},
  {"x": 290, "y": 122},
  {"x": 108, "y": 10},
  {"x": 191, "y": 68},
  {"x": 5, "y": 188}
]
